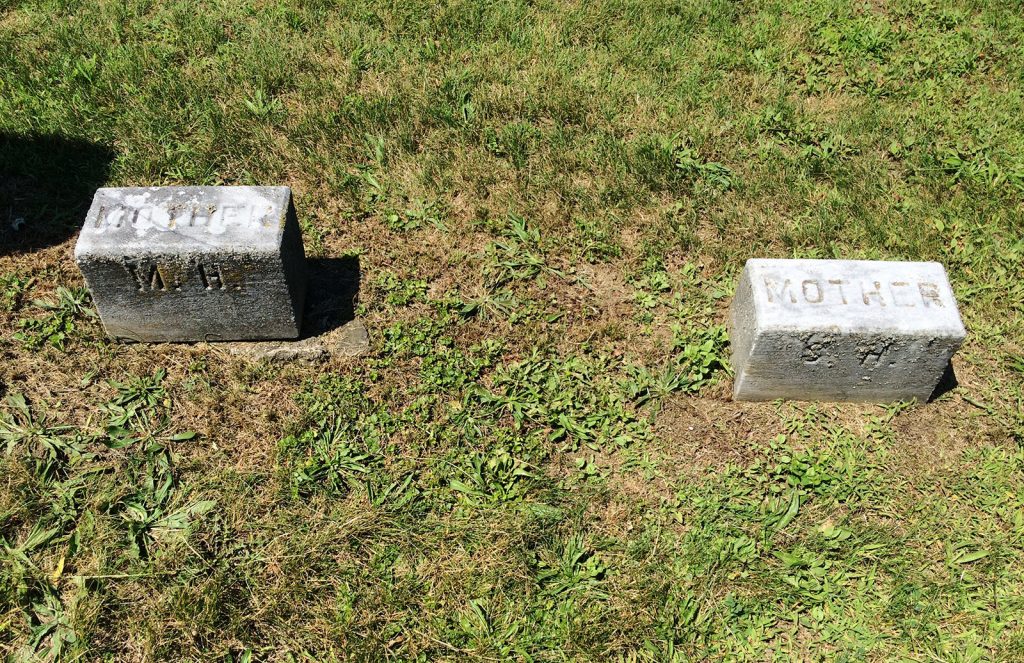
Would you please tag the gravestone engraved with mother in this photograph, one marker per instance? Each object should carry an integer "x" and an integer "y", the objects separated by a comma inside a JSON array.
[
  {"x": 842, "y": 330},
  {"x": 194, "y": 263}
]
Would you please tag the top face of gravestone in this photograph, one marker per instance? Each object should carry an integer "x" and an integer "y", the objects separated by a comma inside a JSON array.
[
  {"x": 187, "y": 219},
  {"x": 854, "y": 296}
]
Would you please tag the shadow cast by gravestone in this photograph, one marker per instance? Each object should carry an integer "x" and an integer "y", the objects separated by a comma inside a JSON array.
[
  {"x": 47, "y": 183},
  {"x": 332, "y": 294},
  {"x": 947, "y": 383}
]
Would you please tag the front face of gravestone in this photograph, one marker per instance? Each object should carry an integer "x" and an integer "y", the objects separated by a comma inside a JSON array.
[
  {"x": 842, "y": 330},
  {"x": 194, "y": 263}
]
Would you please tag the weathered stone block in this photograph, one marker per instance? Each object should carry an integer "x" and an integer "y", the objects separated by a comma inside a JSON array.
[
  {"x": 194, "y": 263},
  {"x": 842, "y": 330}
]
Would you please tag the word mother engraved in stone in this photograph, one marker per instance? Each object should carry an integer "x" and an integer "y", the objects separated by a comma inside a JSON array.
[
  {"x": 212, "y": 218},
  {"x": 834, "y": 292},
  {"x": 194, "y": 263},
  {"x": 842, "y": 330}
]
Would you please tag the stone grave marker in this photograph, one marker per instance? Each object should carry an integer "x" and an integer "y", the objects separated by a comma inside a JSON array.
[
  {"x": 194, "y": 263},
  {"x": 842, "y": 330}
]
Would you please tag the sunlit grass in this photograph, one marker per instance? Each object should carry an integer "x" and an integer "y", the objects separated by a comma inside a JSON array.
[{"x": 538, "y": 460}]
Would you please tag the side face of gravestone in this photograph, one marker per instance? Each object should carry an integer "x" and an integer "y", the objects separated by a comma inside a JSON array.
[
  {"x": 842, "y": 330},
  {"x": 194, "y": 263}
]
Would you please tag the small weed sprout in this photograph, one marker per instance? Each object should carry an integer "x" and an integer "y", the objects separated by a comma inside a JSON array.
[
  {"x": 59, "y": 325},
  {"x": 13, "y": 288}
]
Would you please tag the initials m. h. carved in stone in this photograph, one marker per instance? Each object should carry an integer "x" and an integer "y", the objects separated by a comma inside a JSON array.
[{"x": 151, "y": 276}]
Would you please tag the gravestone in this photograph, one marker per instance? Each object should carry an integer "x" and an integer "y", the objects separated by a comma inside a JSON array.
[
  {"x": 842, "y": 330},
  {"x": 194, "y": 263}
]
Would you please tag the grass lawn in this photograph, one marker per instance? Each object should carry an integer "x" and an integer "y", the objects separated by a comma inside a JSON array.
[{"x": 538, "y": 459}]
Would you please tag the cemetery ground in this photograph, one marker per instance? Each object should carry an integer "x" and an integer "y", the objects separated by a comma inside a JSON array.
[{"x": 538, "y": 458}]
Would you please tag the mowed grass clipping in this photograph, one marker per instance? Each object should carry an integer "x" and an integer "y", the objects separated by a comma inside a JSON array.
[{"x": 538, "y": 459}]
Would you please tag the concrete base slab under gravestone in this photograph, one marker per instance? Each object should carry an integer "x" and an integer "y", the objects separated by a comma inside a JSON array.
[
  {"x": 330, "y": 328},
  {"x": 349, "y": 340},
  {"x": 842, "y": 330},
  {"x": 194, "y": 263}
]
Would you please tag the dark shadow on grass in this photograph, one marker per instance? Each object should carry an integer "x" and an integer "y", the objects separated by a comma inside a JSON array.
[
  {"x": 46, "y": 186},
  {"x": 947, "y": 383},
  {"x": 332, "y": 295}
]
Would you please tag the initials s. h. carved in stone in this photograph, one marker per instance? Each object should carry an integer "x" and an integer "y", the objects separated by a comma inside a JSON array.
[{"x": 842, "y": 330}]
